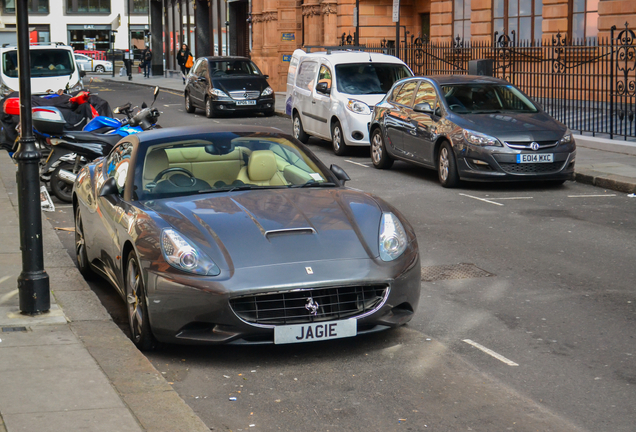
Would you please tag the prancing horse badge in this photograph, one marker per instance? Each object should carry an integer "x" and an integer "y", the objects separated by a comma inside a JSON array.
[{"x": 309, "y": 270}]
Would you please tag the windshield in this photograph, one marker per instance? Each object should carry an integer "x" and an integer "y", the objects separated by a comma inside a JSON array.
[
  {"x": 227, "y": 162},
  {"x": 486, "y": 98},
  {"x": 233, "y": 67},
  {"x": 44, "y": 63},
  {"x": 366, "y": 78}
]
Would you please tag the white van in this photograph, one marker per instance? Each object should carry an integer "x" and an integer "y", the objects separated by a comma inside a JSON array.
[
  {"x": 53, "y": 67},
  {"x": 331, "y": 95}
]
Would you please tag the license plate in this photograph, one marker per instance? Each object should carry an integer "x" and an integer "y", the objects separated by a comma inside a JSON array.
[
  {"x": 315, "y": 332},
  {"x": 535, "y": 158},
  {"x": 249, "y": 102}
]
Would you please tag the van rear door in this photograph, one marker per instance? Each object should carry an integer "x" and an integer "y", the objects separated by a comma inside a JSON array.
[
  {"x": 302, "y": 96},
  {"x": 291, "y": 79}
]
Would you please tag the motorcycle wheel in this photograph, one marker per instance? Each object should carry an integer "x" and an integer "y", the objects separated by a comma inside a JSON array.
[{"x": 62, "y": 190}]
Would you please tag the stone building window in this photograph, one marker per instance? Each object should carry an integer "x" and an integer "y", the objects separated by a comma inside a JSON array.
[
  {"x": 584, "y": 20},
  {"x": 461, "y": 19},
  {"x": 524, "y": 17},
  {"x": 88, "y": 6},
  {"x": 35, "y": 6}
]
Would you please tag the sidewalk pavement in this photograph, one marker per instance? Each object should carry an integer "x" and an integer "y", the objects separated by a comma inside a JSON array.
[
  {"x": 609, "y": 164},
  {"x": 71, "y": 369}
]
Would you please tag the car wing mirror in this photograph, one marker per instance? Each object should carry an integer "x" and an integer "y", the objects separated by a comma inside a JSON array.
[
  {"x": 266, "y": 76},
  {"x": 82, "y": 73},
  {"x": 322, "y": 87},
  {"x": 109, "y": 188},
  {"x": 423, "y": 107},
  {"x": 340, "y": 174},
  {"x": 156, "y": 94}
]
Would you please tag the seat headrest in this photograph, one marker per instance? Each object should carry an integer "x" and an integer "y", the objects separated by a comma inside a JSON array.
[
  {"x": 262, "y": 165},
  {"x": 156, "y": 161}
]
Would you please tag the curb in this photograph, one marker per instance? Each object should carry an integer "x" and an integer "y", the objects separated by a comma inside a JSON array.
[
  {"x": 153, "y": 402},
  {"x": 606, "y": 181}
]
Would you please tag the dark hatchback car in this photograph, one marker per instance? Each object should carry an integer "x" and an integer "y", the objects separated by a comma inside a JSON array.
[
  {"x": 470, "y": 128},
  {"x": 226, "y": 85}
]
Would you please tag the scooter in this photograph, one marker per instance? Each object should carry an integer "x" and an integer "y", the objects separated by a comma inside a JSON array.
[{"x": 72, "y": 150}]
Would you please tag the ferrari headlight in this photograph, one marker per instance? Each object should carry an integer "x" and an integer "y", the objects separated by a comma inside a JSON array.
[
  {"x": 219, "y": 94},
  {"x": 181, "y": 254},
  {"x": 567, "y": 137},
  {"x": 480, "y": 139},
  {"x": 393, "y": 240},
  {"x": 358, "y": 107},
  {"x": 268, "y": 91}
]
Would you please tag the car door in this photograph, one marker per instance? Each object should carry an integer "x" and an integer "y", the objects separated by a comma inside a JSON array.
[
  {"x": 305, "y": 83},
  {"x": 199, "y": 83},
  {"x": 112, "y": 208},
  {"x": 419, "y": 137},
  {"x": 322, "y": 101},
  {"x": 396, "y": 120}
]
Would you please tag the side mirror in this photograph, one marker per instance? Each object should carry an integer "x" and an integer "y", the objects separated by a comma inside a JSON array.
[
  {"x": 322, "y": 87},
  {"x": 340, "y": 174},
  {"x": 266, "y": 76},
  {"x": 156, "y": 94},
  {"x": 109, "y": 188},
  {"x": 424, "y": 107},
  {"x": 82, "y": 73}
]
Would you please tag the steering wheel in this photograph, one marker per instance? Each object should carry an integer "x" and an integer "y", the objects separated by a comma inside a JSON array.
[
  {"x": 218, "y": 73},
  {"x": 175, "y": 169},
  {"x": 453, "y": 107}
]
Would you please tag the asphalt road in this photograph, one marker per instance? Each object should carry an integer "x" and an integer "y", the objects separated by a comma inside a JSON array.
[{"x": 550, "y": 294}]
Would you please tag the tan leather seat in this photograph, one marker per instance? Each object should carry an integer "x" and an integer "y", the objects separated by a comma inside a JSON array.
[
  {"x": 156, "y": 161},
  {"x": 262, "y": 170}
]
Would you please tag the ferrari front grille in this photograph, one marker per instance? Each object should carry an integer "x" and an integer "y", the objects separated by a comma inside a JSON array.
[{"x": 313, "y": 305}]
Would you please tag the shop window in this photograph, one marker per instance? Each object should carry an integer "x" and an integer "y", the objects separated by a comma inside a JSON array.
[
  {"x": 89, "y": 39},
  {"x": 461, "y": 19},
  {"x": 584, "y": 20},
  {"x": 88, "y": 6},
  {"x": 524, "y": 17},
  {"x": 35, "y": 6}
]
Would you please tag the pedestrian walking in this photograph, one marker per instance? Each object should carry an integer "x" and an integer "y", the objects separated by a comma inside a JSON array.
[
  {"x": 185, "y": 60},
  {"x": 146, "y": 58}
]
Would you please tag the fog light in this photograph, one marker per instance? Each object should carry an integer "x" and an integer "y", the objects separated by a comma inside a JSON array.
[
  {"x": 221, "y": 107},
  {"x": 478, "y": 162},
  {"x": 357, "y": 135}
]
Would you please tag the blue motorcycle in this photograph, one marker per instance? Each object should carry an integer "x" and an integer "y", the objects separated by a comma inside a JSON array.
[{"x": 70, "y": 151}]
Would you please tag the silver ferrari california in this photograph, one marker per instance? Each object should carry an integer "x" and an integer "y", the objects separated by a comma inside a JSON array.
[{"x": 241, "y": 235}]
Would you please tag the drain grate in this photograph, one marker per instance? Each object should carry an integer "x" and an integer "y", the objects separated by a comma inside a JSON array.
[
  {"x": 454, "y": 271},
  {"x": 13, "y": 329}
]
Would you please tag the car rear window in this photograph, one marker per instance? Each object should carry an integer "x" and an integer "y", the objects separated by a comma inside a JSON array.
[
  {"x": 44, "y": 63},
  {"x": 369, "y": 78}
]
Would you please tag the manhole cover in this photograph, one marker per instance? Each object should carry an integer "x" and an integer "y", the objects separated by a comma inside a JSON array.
[
  {"x": 454, "y": 271},
  {"x": 13, "y": 329}
]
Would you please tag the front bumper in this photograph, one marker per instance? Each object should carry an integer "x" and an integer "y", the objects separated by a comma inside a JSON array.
[
  {"x": 180, "y": 312},
  {"x": 355, "y": 128},
  {"x": 263, "y": 104},
  {"x": 476, "y": 163}
]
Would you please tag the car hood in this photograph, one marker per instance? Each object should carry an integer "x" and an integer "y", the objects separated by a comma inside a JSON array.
[
  {"x": 268, "y": 227},
  {"x": 242, "y": 82},
  {"x": 40, "y": 85},
  {"x": 513, "y": 126}
]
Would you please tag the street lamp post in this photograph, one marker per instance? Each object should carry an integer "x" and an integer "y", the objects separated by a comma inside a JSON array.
[{"x": 33, "y": 282}]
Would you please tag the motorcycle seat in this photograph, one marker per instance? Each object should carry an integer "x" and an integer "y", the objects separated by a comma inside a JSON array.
[{"x": 92, "y": 137}]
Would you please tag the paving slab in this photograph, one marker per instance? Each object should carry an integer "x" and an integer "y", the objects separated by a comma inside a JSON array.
[
  {"x": 10, "y": 316},
  {"x": 94, "y": 420},
  {"x": 59, "y": 334}
]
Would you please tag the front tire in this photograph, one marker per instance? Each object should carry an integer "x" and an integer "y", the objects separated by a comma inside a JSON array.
[
  {"x": 100, "y": 69},
  {"x": 209, "y": 111},
  {"x": 140, "y": 331},
  {"x": 337, "y": 140},
  {"x": 188, "y": 104},
  {"x": 62, "y": 190},
  {"x": 447, "y": 166},
  {"x": 299, "y": 132},
  {"x": 83, "y": 265},
  {"x": 379, "y": 155}
]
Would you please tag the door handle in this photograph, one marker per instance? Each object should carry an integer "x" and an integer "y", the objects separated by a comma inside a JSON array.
[{"x": 313, "y": 102}]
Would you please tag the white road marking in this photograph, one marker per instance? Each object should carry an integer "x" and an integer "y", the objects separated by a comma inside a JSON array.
[
  {"x": 491, "y": 352},
  {"x": 481, "y": 199},
  {"x": 591, "y": 196},
  {"x": 514, "y": 198},
  {"x": 356, "y": 163}
]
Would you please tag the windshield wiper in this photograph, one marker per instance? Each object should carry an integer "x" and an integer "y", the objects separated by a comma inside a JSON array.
[
  {"x": 314, "y": 184},
  {"x": 488, "y": 112},
  {"x": 235, "y": 188}
]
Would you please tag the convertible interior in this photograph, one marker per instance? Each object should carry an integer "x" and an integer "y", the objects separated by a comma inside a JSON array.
[{"x": 195, "y": 166}]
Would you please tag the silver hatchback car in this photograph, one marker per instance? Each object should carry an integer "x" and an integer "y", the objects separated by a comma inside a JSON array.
[{"x": 470, "y": 128}]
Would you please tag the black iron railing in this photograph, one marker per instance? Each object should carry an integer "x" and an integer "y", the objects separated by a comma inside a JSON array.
[{"x": 588, "y": 85}]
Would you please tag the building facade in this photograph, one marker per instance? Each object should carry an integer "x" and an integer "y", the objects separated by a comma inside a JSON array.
[{"x": 84, "y": 24}]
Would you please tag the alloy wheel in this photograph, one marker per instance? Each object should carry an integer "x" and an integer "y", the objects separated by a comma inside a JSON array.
[
  {"x": 376, "y": 148},
  {"x": 80, "y": 244},
  {"x": 337, "y": 138},
  {"x": 443, "y": 164},
  {"x": 296, "y": 127},
  {"x": 133, "y": 301}
]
